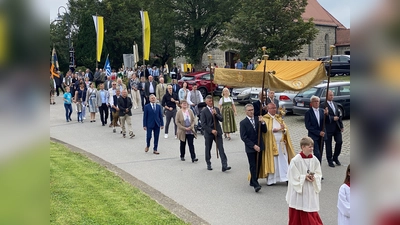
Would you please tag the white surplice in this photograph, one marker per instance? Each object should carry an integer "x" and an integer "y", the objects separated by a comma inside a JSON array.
[
  {"x": 301, "y": 194},
  {"x": 344, "y": 205}
]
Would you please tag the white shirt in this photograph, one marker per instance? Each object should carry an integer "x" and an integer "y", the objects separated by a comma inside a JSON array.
[
  {"x": 316, "y": 112},
  {"x": 151, "y": 88},
  {"x": 252, "y": 121},
  {"x": 198, "y": 95}
]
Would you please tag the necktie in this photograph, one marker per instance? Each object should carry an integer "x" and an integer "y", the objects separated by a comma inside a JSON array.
[
  {"x": 252, "y": 123},
  {"x": 332, "y": 106},
  {"x": 162, "y": 85},
  {"x": 154, "y": 107},
  {"x": 211, "y": 110},
  {"x": 175, "y": 88}
]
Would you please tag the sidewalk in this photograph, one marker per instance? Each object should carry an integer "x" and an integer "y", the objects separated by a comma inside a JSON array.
[{"x": 214, "y": 196}]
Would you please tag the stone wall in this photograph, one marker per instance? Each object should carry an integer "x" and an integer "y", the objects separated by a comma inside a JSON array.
[{"x": 319, "y": 45}]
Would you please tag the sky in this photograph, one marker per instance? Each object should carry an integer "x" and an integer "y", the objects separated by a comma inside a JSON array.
[{"x": 340, "y": 9}]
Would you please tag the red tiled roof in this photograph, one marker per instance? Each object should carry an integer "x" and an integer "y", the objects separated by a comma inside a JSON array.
[
  {"x": 342, "y": 37},
  {"x": 320, "y": 15}
]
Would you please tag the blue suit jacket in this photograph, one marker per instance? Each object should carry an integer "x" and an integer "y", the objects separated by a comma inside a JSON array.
[
  {"x": 152, "y": 118},
  {"x": 311, "y": 123}
]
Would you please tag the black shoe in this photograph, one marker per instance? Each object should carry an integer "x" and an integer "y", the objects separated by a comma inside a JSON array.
[
  {"x": 337, "y": 162},
  {"x": 257, "y": 189},
  {"x": 226, "y": 168},
  {"x": 209, "y": 168},
  {"x": 331, "y": 164},
  {"x": 195, "y": 160},
  {"x": 182, "y": 159}
]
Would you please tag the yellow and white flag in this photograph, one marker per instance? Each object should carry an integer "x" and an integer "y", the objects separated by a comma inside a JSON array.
[
  {"x": 146, "y": 34},
  {"x": 99, "y": 25}
]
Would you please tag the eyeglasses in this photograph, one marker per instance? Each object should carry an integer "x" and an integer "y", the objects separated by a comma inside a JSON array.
[{"x": 114, "y": 84}]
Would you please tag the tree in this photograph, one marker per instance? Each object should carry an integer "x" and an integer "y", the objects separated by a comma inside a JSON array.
[
  {"x": 198, "y": 25},
  {"x": 59, "y": 40},
  {"x": 276, "y": 24}
]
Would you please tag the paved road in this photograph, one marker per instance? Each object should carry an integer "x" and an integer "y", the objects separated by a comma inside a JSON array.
[{"x": 214, "y": 196}]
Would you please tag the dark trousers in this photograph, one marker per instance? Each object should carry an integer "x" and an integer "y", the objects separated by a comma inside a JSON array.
[
  {"x": 62, "y": 89},
  {"x": 317, "y": 151},
  {"x": 143, "y": 99},
  {"x": 168, "y": 116},
  {"x": 209, "y": 139},
  {"x": 337, "y": 135},
  {"x": 156, "y": 131},
  {"x": 189, "y": 140},
  {"x": 103, "y": 109},
  {"x": 68, "y": 111},
  {"x": 252, "y": 158}
]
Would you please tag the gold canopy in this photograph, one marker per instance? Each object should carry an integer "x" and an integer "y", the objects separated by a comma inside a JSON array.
[{"x": 290, "y": 75}]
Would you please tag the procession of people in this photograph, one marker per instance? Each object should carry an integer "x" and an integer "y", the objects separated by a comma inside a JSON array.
[{"x": 266, "y": 137}]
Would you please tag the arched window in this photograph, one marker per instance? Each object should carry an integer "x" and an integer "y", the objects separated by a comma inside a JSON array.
[{"x": 326, "y": 44}]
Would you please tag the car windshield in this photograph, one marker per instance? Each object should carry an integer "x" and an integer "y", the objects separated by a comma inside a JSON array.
[
  {"x": 185, "y": 78},
  {"x": 307, "y": 93}
]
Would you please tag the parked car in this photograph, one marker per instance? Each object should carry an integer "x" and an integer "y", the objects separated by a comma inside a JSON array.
[
  {"x": 341, "y": 91},
  {"x": 340, "y": 64},
  {"x": 203, "y": 81},
  {"x": 285, "y": 98},
  {"x": 241, "y": 95}
]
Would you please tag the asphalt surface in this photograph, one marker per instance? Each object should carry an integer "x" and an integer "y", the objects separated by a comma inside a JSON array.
[{"x": 188, "y": 189}]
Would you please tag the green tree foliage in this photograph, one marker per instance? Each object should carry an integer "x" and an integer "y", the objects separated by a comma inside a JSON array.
[
  {"x": 59, "y": 40},
  {"x": 199, "y": 23},
  {"x": 123, "y": 27},
  {"x": 276, "y": 24},
  {"x": 162, "y": 32}
]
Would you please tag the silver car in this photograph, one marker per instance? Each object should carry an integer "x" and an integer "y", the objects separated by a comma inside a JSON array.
[
  {"x": 285, "y": 98},
  {"x": 241, "y": 95}
]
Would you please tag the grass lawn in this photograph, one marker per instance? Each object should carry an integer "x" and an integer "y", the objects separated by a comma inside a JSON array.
[
  {"x": 83, "y": 192},
  {"x": 340, "y": 78}
]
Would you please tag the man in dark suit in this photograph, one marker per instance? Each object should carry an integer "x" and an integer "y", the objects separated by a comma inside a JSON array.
[
  {"x": 150, "y": 88},
  {"x": 271, "y": 98},
  {"x": 334, "y": 128},
  {"x": 175, "y": 86},
  {"x": 249, "y": 134},
  {"x": 313, "y": 120},
  {"x": 152, "y": 122},
  {"x": 260, "y": 103},
  {"x": 209, "y": 118}
]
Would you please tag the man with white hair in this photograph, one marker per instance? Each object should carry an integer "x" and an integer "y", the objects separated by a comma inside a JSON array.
[{"x": 313, "y": 120}]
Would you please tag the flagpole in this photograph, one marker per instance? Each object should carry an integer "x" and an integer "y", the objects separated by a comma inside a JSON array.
[
  {"x": 321, "y": 146},
  {"x": 97, "y": 42},
  {"x": 143, "y": 30}
]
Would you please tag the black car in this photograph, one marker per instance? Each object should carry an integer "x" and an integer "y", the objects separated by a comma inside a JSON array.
[
  {"x": 340, "y": 64},
  {"x": 341, "y": 91}
]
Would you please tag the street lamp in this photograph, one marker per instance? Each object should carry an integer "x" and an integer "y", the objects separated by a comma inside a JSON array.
[{"x": 70, "y": 47}]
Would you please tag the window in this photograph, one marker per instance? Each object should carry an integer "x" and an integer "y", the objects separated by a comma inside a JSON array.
[
  {"x": 308, "y": 93},
  {"x": 344, "y": 59},
  {"x": 327, "y": 44},
  {"x": 333, "y": 89},
  {"x": 344, "y": 90},
  {"x": 310, "y": 50}
]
